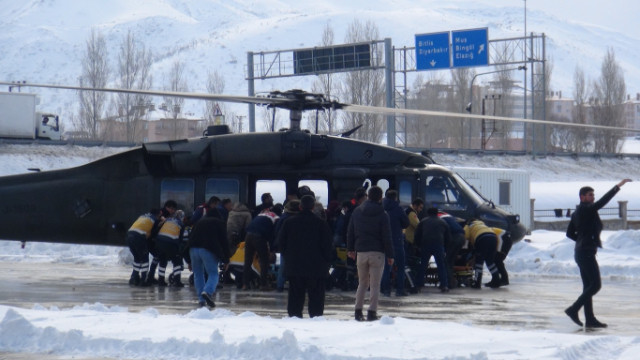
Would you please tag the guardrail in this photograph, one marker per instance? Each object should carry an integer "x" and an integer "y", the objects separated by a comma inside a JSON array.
[
  {"x": 613, "y": 218},
  {"x": 560, "y": 213}
]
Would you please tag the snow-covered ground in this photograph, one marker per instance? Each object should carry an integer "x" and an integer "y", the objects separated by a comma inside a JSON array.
[{"x": 94, "y": 330}]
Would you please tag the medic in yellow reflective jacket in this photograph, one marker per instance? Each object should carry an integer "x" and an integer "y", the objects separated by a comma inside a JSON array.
[{"x": 144, "y": 224}]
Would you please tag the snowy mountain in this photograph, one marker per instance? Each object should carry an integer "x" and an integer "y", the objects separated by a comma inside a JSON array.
[{"x": 44, "y": 40}]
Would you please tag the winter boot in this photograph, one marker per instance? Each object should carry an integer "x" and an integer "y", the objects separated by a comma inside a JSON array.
[
  {"x": 594, "y": 323},
  {"x": 151, "y": 278},
  {"x": 372, "y": 315},
  {"x": 504, "y": 279},
  {"x": 174, "y": 281},
  {"x": 573, "y": 315},
  {"x": 359, "y": 315},
  {"x": 208, "y": 299},
  {"x": 162, "y": 282},
  {"x": 143, "y": 279},
  {"x": 477, "y": 283},
  {"x": 134, "y": 280},
  {"x": 495, "y": 281}
]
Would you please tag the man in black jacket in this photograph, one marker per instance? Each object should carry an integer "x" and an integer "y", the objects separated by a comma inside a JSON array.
[
  {"x": 208, "y": 247},
  {"x": 584, "y": 228},
  {"x": 369, "y": 236},
  {"x": 305, "y": 241},
  {"x": 432, "y": 235}
]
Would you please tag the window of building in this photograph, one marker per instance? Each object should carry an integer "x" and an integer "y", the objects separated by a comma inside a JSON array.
[{"x": 505, "y": 193}]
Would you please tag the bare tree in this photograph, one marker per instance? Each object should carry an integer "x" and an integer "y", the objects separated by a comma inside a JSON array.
[
  {"x": 324, "y": 85},
  {"x": 95, "y": 73},
  {"x": 609, "y": 92},
  {"x": 174, "y": 106},
  {"x": 461, "y": 81},
  {"x": 500, "y": 103},
  {"x": 430, "y": 94},
  {"x": 272, "y": 118},
  {"x": 577, "y": 139},
  {"x": 540, "y": 109},
  {"x": 364, "y": 87},
  {"x": 214, "y": 110},
  {"x": 134, "y": 63}
]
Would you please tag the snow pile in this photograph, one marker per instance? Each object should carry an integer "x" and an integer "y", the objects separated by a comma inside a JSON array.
[{"x": 203, "y": 334}]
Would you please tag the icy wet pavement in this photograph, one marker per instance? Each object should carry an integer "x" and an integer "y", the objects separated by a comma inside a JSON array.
[{"x": 528, "y": 303}]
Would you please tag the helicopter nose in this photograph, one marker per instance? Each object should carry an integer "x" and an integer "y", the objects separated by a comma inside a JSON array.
[{"x": 518, "y": 231}]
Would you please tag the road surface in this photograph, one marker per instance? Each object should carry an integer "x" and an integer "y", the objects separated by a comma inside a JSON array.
[{"x": 531, "y": 303}]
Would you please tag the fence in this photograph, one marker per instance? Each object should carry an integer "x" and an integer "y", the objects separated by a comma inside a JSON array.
[
  {"x": 613, "y": 218},
  {"x": 561, "y": 213}
]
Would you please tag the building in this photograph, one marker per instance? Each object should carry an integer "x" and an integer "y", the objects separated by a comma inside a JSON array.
[
  {"x": 559, "y": 108},
  {"x": 632, "y": 113},
  {"x": 151, "y": 127}
]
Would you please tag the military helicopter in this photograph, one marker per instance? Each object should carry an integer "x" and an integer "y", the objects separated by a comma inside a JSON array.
[{"x": 97, "y": 202}]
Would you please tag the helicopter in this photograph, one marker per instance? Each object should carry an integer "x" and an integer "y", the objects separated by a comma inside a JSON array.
[{"x": 96, "y": 203}]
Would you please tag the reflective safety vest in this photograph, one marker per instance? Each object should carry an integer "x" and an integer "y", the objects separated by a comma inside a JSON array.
[
  {"x": 144, "y": 224},
  {"x": 475, "y": 229},
  {"x": 171, "y": 228}
]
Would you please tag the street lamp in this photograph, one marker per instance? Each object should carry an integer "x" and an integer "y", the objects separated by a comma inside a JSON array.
[{"x": 469, "y": 107}]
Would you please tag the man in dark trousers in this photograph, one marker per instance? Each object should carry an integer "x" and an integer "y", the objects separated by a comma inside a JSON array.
[
  {"x": 432, "y": 234},
  {"x": 484, "y": 242},
  {"x": 305, "y": 241},
  {"x": 260, "y": 237},
  {"x": 398, "y": 220},
  {"x": 584, "y": 228},
  {"x": 208, "y": 247}
]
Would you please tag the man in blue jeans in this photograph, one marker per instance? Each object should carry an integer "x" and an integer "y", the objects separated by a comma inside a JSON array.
[
  {"x": 207, "y": 247},
  {"x": 584, "y": 228}
]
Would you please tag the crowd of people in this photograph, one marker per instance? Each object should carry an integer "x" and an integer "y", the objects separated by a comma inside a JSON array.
[{"x": 368, "y": 243}]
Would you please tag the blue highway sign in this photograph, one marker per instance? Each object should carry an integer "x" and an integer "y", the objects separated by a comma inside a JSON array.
[
  {"x": 432, "y": 51},
  {"x": 470, "y": 47}
]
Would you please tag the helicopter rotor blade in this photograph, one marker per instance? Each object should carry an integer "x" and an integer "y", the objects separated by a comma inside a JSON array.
[
  {"x": 444, "y": 114},
  {"x": 186, "y": 95},
  {"x": 291, "y": 102}
]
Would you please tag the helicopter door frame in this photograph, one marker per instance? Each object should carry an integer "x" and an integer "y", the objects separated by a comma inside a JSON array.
[{"x": 407, "y": 189}]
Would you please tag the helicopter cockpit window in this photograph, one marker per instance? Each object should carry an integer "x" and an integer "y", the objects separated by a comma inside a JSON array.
[
  {"x": 441, "y": 192},
  {"x": 180, "y": 190},
  {"x": 222, "y": 188}
]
